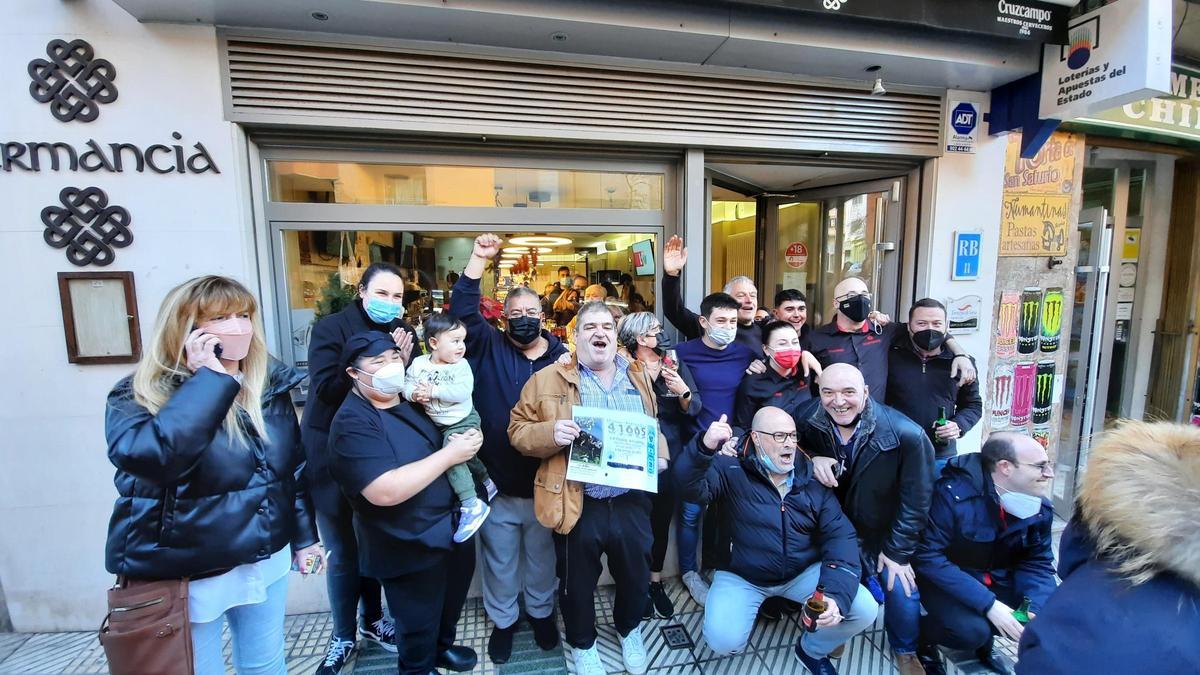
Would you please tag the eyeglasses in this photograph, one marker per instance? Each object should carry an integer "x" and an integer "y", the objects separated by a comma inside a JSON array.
[
  {"x": 779, "y": 436},
  {"x": 1042, "y": 467}
]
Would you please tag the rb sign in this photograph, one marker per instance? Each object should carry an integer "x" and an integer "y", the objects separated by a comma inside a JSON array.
[{"x": 966, "y": 255}]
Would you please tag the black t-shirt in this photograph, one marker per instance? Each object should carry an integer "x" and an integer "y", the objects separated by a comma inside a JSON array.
[
  {"x": 366, "y": 443},
  {"x": 866, "y": 349},
  {"x": 770, "y": 388}
]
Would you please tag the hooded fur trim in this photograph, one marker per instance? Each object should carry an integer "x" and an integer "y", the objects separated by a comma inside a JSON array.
[{"x": 1140, "y": 499}]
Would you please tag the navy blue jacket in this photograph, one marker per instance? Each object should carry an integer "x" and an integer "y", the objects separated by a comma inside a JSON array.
[
  {"x": 328, "y": 386},
  {"x": 774, "y": 538},
  {"x": 886, "y": 486},
  {"x": 193, "y": 501},
  {"x": 970, "y": 544},
  {"x": 501, "y": 371},
  {"x": 917, "y": 387},
  {"x": 1096, "y": 622}
]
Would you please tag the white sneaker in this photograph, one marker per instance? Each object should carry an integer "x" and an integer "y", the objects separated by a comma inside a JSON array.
[
  {"x": 474, "y": 511},
  {"x": 633, "y": 652},
  {"x": 587, "y": 662},
  {"x": 697, "y": 586}
]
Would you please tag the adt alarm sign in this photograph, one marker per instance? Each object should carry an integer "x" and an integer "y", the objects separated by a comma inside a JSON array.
[
  {"x": 964, "y": 125},
  {"x": 966, "y": 255}
]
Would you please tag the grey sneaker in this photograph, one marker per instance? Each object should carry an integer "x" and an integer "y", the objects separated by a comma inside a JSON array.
[
  {"x": 697, "y": 586},
  {"x": 474, "y": 512}
]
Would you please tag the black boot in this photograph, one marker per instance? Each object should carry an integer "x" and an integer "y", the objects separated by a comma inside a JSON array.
[
  {"x": 500, "y": 643},
  {"x": 991, "y": 658},
  {"x": 458, "y": 658},
  {"x": 545, "y": 632},
  {"x": 931, "y": 659}
]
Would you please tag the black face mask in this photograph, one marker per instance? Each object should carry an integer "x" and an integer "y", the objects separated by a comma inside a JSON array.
[
  {"x": 856, "y": 308},
  {"x": 928, "y": 339},
  {"x": 524, "y": 329},
  {"x": 661, "y": 344}
]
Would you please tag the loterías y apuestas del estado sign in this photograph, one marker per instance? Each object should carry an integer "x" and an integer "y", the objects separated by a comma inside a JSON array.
[{"x": 176, "y": 157}]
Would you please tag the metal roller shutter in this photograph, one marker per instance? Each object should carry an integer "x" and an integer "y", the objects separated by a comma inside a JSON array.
[{"x": 272, "y": 81}]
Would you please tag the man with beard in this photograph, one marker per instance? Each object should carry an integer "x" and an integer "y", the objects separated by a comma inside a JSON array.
[
  {"x": 919, "y": 382},
  {"x": 590, "y": 520},
  {"x": 879, "y": 464},
  {"x": 987, "y": 547},
  {"x": 518, "y": 553},
  {"x": 854, "y": 337},
  {"x": 791, "y": 538}
]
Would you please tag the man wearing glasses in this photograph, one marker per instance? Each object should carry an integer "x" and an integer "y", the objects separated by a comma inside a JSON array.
[
  {"x": 518, "y": 553},
  {"x": 862, "y": 337},
  {"x": 791, "y": 536},
  {"x": 987, "y": 547}
]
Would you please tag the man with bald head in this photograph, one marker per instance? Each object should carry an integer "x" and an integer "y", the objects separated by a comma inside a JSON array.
[
  {"x": 791, "y": 536},
  {"x": 862, "y": 338},
  {"x": 880, "y": 465},
  {"x": 987, "y": 546}
]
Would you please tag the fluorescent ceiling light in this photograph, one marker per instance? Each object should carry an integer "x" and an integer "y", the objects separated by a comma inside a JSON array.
[{"x": 540, "y": 240}]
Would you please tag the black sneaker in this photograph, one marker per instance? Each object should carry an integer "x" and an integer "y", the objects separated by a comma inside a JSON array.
[
  {"x": 545, "y": 632},
  {"x": 815, "y": 666},
  {"x": 660, "y": 603},
  {"x": 500, "y": 643},
  {"x": 772, "y": 608},
  {"x": 931, "y": 659},
  {"x": 336, "y": 656},
  {"x": 382, "y": 632}
]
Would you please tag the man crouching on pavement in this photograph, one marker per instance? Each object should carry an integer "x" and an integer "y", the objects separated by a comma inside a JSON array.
[
  {"x": 590, "y": 520},
  {"x": 791, "y": 537}
]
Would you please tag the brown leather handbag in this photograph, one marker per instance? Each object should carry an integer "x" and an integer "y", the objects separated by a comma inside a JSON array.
[{"x": 147, "y": 631}]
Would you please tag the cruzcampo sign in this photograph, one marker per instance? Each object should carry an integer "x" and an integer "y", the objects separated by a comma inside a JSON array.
[
  {"x": 1116, "y": 54},
  {"x": 1177, "y": 116}
]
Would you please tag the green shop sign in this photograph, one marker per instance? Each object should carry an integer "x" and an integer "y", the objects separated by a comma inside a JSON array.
[{"x": 1171, "y": 119}]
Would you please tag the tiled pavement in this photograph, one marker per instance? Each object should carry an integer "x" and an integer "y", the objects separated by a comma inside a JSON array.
[{"x": 769, "y": 651}]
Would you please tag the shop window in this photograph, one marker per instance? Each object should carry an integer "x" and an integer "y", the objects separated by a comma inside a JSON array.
[{"x": 469, "y": 186}]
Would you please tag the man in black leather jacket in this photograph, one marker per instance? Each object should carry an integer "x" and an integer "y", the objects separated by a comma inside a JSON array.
[{"x": 879, "y": 464}]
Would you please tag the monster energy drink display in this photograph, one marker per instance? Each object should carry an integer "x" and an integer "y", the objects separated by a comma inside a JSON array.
[
  {"x": 1028, "y": 323},
  {"x": 1006, "y": 324},
  {"x": 1002, "y": 391},
  {"x": 1052, "y": 311},
  {"x": 1023, "y": 380},
  {"x": 1043, "y": 390}
]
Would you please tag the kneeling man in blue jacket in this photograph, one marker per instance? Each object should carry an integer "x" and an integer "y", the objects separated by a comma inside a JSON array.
[
  {"x": 987, "y": 547},
  {"x": 791, "y": 535}
]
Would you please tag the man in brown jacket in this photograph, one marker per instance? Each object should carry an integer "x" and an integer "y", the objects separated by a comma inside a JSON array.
[{"x": 589, "y": 519}]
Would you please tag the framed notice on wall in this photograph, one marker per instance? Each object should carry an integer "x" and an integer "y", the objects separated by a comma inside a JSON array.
[{"x": 100, "y": 317}]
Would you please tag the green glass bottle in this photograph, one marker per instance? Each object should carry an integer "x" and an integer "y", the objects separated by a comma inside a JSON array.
[
  {"x": 940, "y": 422},
  {"x": 1021, "y": 613}
]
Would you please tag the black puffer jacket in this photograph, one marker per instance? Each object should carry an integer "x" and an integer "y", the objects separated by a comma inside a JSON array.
[
  {"x": 193, "y": 501},
  {"x": 774, "y": 538},
  {"x": 887, "y": 487}
]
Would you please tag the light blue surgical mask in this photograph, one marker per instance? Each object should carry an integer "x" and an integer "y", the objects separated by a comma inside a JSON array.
[
  {"x": 772, "y": 470},
  {"x": 383, "y": 311},
  {"x": 722, "y": 336}
]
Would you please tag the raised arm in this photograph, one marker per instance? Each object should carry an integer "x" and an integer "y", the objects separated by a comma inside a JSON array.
[
  {"x": 684, "y": 320},
  {"x": 464, "y": 297}
]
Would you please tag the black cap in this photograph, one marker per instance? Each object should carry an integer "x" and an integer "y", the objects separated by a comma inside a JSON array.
[{"x": 367, "y": 343}]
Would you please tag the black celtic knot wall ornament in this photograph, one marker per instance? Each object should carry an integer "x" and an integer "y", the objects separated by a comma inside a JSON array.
[
  {"x": 73, "y": 82},
  {"x": 87, "y": 226}
]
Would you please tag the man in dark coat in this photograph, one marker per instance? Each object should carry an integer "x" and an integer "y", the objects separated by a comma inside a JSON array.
[
  {"x": 811, "y": 544},
  {"x": 880, "y": 465},
  {"x": 919, "y": 382},
  {"x": 518, "y": 553},
  {"x": 987, "y": 546},
  {"x": 1129, "y": 562}
]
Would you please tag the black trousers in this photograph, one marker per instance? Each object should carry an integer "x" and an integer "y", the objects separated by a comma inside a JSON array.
[
  {"x": 620, "y": 528},
  {"x": 426, "y": 606},
  {"x": 662, "y": 510},
  {"x": 952, "y": 624}
]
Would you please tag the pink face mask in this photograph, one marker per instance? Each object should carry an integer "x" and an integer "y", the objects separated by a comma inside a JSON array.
[{"x": 235, "y": 334}]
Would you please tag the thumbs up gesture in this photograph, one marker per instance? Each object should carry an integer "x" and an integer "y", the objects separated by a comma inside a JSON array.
[{"x": 718, "y": 432}]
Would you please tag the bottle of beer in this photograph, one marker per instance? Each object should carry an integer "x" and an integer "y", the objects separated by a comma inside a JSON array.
[
  {"x": 940, "y": 422},
  {"x": 1021, "y": 614},
  {"x": 814, "y": 607}
]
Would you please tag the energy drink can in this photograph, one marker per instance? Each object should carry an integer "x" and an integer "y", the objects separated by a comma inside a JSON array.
[
  {"x": 1042, "y": 436},
  {"x": 1052, "y": 313},
  {"x": 1006, "y": 324},
  {"x": 1028, "y": 322},
  {"x": 1043, "y": 391},
  {"x": 1023, "y": 376},
  {"x": 1002, "y": 391}
]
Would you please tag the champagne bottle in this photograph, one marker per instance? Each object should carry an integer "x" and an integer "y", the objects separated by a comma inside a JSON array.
[
  {"x": 814, "y": 607},
  {"x": 940, "y": 422},
  {"x": 1021, "y": 613}
]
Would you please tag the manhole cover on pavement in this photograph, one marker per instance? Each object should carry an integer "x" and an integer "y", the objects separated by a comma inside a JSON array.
[{"x": 676, "y": 637}]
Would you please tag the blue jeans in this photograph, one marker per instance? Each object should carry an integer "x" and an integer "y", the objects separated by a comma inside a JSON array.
[
  {"x": 733, "y": 604},
  {"x": 689, "y": 536},
  {"x": 257, "y": 632},
  {"x": 342, "y": 581},
  {"x": 901, "y": 616}
]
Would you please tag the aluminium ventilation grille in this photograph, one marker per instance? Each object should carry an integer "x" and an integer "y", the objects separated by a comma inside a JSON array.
[{"x": 367, "y": 87}]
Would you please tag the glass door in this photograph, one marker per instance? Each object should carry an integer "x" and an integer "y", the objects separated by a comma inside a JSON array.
[{"x": 816, "y": 238}]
